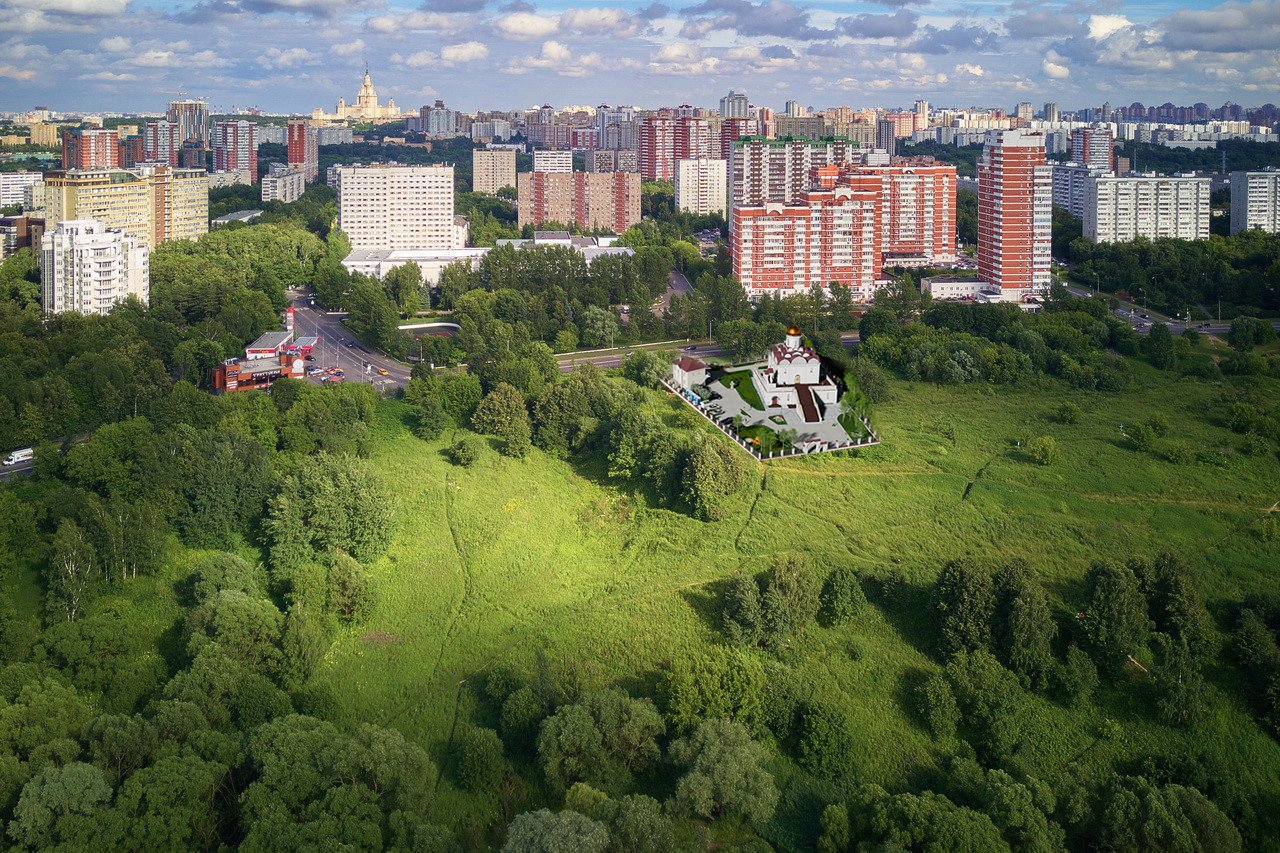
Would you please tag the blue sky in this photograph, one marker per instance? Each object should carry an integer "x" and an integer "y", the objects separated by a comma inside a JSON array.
[{"x": 294, "y": 55}]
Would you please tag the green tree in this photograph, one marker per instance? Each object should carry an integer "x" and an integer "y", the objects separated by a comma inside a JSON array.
[
  {"x": 964, "y": 601},
  {"x": 724, "y": 773},
  {"x": 58, "y": 806},
  {"x": 791, "y": 596},
  {"x": 1043, "y": 449},
  {"x": 349, "y": 594},
  {"x": 842, "y": 595},
  {"x": 544, "y": 831},
  {"x": 713, "y": 470},
  {"x": 403, "y": 284},
  {"x": 1159, "y": 347},
  {"x": 836, "y": 833},
  {"x": 637, "y": 825},
  {"x": 503, "y": 413},
  {"x": 599, "y": 326},
  {"x": 720, "y": 683},
  {"x": 936, "y": 705},
  {"x": 465, "y": 451},
  {"x": 744, "y": 621},
  {"x": 303, "y": 644},
  {"x": 989, "y": 700},
  {"x": 479, "y": 760},
  {"x": 73, "y": 579},
  {"x": 571, "y": 748},
  {"x": 1115, "y": 619},
  {"x": 1181, "y": 690},
  {"x": 1024, "y": 627},
  {"x": 827, "y": 743}
]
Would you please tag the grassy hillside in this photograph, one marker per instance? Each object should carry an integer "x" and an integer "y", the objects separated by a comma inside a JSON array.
[{"x": 507, "y": 557}]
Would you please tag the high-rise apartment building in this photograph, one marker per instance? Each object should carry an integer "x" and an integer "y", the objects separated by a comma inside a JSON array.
[
  {"x": 886, "y": 136},
  {"x": 283, "y": 184},
  {"x": 613, "y": 160},
  {"x": 493, "y": 169},
  {"x": 1024, "y": 111},
  {"x": 593, "y": 201},
  {"x": 152, "y": 204},
  {"x": 1015, "y": 213},
  {"x": 1151, "y": 206},
  {"x": 384, "y": 206},
  {"x": 133, "y": 151},
  {"x": 88, "y": 268},
  {"x": 304, "y": 148},
  {"x": 693, "y": 140},
  {"x": 1069, "y": 183},
  {"x": 43, "y": 134},
  {"x": 922, "y": 114},
  {"x": 916, "y": 208},
  {"x": 735, "y": 105},
  {"x": 235, "y": 148},
  {"x": 657, "y": 148},
  {"x": 192, "y": 119},
  {"x": 1092, "y": 147},
  {"x": 552, "y": 161},
  {"x": 732, "y": 129},
  {"x": 13, "y": 186},
  {"x": 777, "y": 170},
  {"x": 794, "y": 109},
  {"x": 702, "y": 186},
  {"x": 161, "y": 143},
  {"x": 90, "y": 148},
  {"x": 1051, "y": 111},
  {"x": 1255, "y": 201},
  {"x": 824, "y": 237}
]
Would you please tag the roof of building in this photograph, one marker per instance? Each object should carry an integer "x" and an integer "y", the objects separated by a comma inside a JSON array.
[
  {"x": 688, "y": 364},
  {"x": 238, "y": 216},
  {"x": 309, "y": 341},
  {"x": 550, "y": 235},
  {"x": 793, "y": 329},
  {"x": 271, "y": 340}
]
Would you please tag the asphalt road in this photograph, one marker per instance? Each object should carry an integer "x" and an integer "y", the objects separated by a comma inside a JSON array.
[
  {"x": 614, "y": 359},
  {"x": 332, "y": 349},
  {"x": 1133, "y": 315},
  {"x": 18, "y": 469}
]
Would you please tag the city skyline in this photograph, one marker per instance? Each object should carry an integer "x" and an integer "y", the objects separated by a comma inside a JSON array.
[{"x": 291, "y": 56}]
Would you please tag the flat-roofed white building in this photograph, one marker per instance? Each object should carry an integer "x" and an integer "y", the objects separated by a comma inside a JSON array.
[
  {"x": 702, "y": 186},
  {"x": 284, "y": 185},
  {"x": 14, "y": 186},
  {"x": 1255, "y": 201},
  {"x": 1069, "y": 180},
  {"x": 88, "y": 268},
  {"x": 552, "y": 161},
  {"x": 1121, "y": 209},
  {"x": 378, "y": 262},
  {"x": 383, "y": 206}
]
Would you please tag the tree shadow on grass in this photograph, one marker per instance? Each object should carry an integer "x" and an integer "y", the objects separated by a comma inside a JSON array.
[
  {"x": 707, "y": 601},
  {"x": 907, "y": 608}
]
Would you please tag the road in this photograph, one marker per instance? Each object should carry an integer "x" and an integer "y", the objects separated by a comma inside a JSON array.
[
  {"x": 18, "y": 469},
  {"x": 331, "y": 350},
  {"x": 678, "y": 286},
  {"x": 614, "y": 358},
  {"x": 1133, "y": 315}
]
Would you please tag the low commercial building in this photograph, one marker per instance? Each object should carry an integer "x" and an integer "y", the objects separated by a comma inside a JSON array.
[
  {"x": 256, "y": 374},
  {"x": 378, "y": 262},
  {"x": 245, "y": 216}
]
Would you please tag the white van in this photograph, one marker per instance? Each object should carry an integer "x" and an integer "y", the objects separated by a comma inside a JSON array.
[{"x": 26, "y": 454}]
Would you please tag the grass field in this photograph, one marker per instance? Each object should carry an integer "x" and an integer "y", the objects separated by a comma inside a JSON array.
[{"x": 497, "y": 561}]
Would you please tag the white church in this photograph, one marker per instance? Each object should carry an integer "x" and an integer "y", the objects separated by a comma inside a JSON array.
[{"x": 791, "y": 378}]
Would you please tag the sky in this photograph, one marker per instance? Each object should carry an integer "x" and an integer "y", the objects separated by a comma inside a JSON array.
[{"x": 295, "y": 55}]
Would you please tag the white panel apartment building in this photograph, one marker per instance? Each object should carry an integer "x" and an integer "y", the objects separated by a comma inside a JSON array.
[
  {"x": 87, "y": 268},
  {"x": 1121, "y": 209},
  {"x": 1255, "y": 201},
  {"x": 702, "y": 186},
  {"x": 13, "y": 186},
  {"x": 284, "y": 185},
  {"x": 552, "y": 161},
  {"x": 492, "y": 169},
  {"x": 383, "y": 206},
  {"x": 1069, "y": 182}
]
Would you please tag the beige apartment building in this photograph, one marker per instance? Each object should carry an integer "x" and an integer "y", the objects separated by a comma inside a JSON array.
[
  {"x": 491, "y": 170},
  {"x": 150, "y": 204}
]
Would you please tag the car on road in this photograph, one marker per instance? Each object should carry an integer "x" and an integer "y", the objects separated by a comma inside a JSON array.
[
  {"x": 25, "y": 454},
  {"x": 349, "y": 344},
  {"x": 382, "y": 371},
  {"x": 332, "y": 379},
  {"x": 314, "y": 371},
  {"x": 691, "y": 348}
]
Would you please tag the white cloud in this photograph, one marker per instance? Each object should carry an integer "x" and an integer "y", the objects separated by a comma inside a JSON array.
[
  {"x": 598, "y": 21},
  {"x": 12, "y": 73},
  {"x": 971, "y": 69},
  {"x": 155, "y": 58},
  {"x": 419, "y": 22},
  {"x": 348, "y": 48},
  {"x": 467, "y": 51},
  {"x": 682, "y": 59},
  {"x": 421, "y": 59},
  {"x": 109, "y": 77},
  {"x": 115, "y": 44},
  {"x": 90, "y": 8},
  {"x": 1055, "y": 66},
  {"x": 524, "y": 26},
  {"x": 290, "y": 58},
  {"x": 1101, "y": 26},
  {"x": 556, "y": 57}
]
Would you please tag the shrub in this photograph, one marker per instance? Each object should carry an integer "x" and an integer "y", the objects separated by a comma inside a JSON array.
[
  {"x": 936, "y": 706},
  {"x": 1178, "y": 452},
  {"x": 842, "y": 596},
  {"x": 1075, "y": 680},
  {"x": 349, "y": 593},
  {"x": 1068, "y": 413},
  {"x": 479, "y": 760},
  {"x": 826, "y": 741},
  {"x": 465, "y": 451},
  {"x": 1042, "y": 449}
]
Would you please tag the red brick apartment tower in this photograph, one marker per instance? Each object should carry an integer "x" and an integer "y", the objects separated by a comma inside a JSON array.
[
  {"x": 731, "y": 129},
  {"x": 657, "y": 148},
  {"x": 1015, "y": 208},
  {"x": 1092, "y": 146},
  {"x": 235, "y": 147},
  {"x": 90, "y": 148},
  {"x": 304, "y": 153},
  {"x": 692, "y": 140}
]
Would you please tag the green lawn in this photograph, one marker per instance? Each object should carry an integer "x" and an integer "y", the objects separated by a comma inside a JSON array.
[
  {"x": 498, "y": 561},
  {"x": 740, "y": 381}
]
